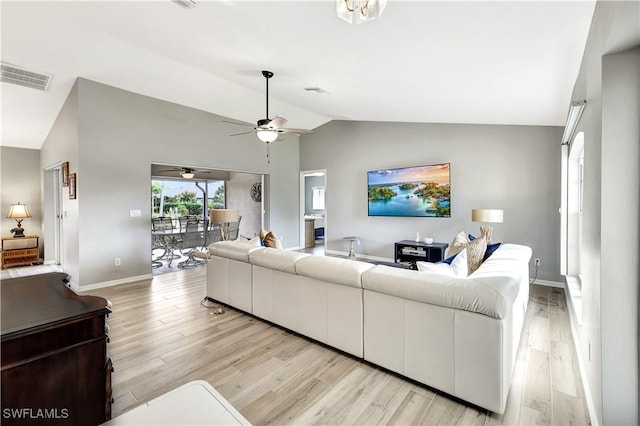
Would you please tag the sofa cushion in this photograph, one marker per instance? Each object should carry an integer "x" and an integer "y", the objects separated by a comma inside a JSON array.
[
  {"x": 281, "y": 260},
  {"x": 509, "y": 259},
  {"x": 236, "y": 250},
  {"x": 333, "y": 269},
  {"x": 491, "y": 296}
]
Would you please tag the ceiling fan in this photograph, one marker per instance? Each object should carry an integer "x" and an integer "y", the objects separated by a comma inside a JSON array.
[
  {"x": 268, "y": 129},
  {"x": 186, "y": 172}
]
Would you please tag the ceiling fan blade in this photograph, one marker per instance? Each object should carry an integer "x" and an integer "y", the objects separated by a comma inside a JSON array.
[
  {"x": 277, "y": 122},
  {"x": 237, "y": 124},
  {"x": 243, "y": 133},
  {"x": 296, "y": 131}
]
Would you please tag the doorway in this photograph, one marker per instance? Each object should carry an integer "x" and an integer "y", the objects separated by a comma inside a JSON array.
[
  {"x": 186, "y": 193},
  {"x": 313, "y": 209},
  {"x": 53, "y": 215}
]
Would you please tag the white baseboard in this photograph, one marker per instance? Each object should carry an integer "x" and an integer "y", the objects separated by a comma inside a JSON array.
[
  {"x": 575, "y": 333},
  {"x": 547, "y": 283},
  {"x": 359, "y": 256},
  {"x": 105, "y": 284}
]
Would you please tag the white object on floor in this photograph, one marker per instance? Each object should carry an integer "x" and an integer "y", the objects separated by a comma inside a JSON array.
[
  {"x": 352, "y": 244},
  {"x": 195, "y": 403}
]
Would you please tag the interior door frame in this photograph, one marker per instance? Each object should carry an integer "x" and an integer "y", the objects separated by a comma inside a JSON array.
[
  {"x": 302, "y": 197},
  {"x": 53, "y": 214}
]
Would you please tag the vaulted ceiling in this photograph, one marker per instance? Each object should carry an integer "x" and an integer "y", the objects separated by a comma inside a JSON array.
[{"x": 504, "y": 62}]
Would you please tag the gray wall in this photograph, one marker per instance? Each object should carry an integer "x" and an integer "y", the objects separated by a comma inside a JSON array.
[
  {"x": 62, "y": 145},
  {"x": 20, "y": 176},
  {"x": 119, "y": 135},
  {"x": 515, "y": 168},
  {"x": 238, "y": 195},
  {"x": 608, "y": 337}
]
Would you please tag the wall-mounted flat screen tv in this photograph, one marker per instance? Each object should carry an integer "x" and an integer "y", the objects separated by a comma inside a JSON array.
[{"x": 422, "y": 191}]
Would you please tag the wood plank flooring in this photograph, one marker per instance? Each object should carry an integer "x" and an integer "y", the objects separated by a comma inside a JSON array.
[{"x": 162, "y": 337}]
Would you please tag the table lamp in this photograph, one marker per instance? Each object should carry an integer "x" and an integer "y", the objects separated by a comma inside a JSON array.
[
  {"x": 487, "y": 216},
  {"x": 18, "y": 212},
  {"x": 223, "y": 217}
]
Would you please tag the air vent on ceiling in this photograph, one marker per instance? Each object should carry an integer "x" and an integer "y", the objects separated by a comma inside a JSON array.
[
  {"x": 23, "y": 77},
  {"x": 187, "y": 4}
]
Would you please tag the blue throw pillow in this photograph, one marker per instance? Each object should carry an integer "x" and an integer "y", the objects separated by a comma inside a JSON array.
[
  {"x": 490, "y": 249},
  {"x": 448, "y": 260}
]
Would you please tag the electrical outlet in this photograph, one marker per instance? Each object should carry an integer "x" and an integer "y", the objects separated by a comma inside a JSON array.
[
  {"x": 537, "y": 261},
  {"x": 117, "y": 261}
]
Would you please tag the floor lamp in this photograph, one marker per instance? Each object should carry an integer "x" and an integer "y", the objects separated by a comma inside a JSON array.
[{"x": 224, "y": 217}]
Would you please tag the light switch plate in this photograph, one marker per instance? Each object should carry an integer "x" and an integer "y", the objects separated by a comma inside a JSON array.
[{"x": 135, "y": 213}]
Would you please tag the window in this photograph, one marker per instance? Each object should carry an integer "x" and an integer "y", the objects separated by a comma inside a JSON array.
[
  {"x": 575, "y": 205},
  {"x": 174, "y": 198},
  {"x": 318, "y": 198}
]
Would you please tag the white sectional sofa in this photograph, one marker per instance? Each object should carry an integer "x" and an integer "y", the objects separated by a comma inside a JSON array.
[{"x": 459, "y": 335}]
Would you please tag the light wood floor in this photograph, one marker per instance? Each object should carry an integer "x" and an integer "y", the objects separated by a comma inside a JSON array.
[{"x": 161, "y": 338}]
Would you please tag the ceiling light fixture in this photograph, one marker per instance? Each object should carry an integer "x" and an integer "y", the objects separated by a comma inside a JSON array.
[
  {"x": 575, "y": 112},
  {"x": 187, "y": 174},
  {"x": 267, "y": 135},
  {"x": 359, "y": 11}
]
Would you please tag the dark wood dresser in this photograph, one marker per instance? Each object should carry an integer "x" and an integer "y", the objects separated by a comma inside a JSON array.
[{"x": 55, "y": 368}]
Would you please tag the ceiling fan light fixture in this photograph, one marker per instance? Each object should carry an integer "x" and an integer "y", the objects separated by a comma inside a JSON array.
[
  {"x": 267, "y": 135},
  {"x": 187, "y": 175},
  {"x": 359, "y": 11}
]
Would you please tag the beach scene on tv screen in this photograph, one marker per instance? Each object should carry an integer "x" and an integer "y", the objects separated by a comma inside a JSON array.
[{"x": 422, "y": 191}]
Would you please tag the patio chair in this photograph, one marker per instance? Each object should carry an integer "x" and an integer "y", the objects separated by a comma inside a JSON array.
[
  {"x": 194, "y": 238},
  {"x": 163, "y": 238}
]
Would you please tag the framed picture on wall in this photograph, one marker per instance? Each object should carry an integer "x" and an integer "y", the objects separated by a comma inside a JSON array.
[
  {"x": 72, "y": 186},
  {"x": 65, "y": 173}
]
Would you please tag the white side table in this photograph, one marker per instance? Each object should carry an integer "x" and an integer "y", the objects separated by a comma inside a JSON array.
[{"x": 195, "y": 403}]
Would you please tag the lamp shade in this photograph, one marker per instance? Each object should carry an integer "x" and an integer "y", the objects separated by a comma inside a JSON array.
[
  {"x": 18, "y": 211},
  {"x": 487, "y": 215},
  {"x": 223, "y": 215}
]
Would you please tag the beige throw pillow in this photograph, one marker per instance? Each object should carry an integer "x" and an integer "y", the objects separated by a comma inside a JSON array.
[
  {"x": 475, "y": 248},
  {"x": 458, "y": 244},
  {"x": 475, "y": 253},
  {"x": 272, "y": 240}
]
